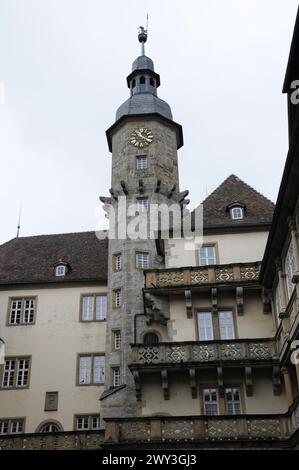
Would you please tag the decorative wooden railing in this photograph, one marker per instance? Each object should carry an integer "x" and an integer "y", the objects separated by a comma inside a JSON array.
[
  {"x": 257, "y": 350},
  {"x": 194, "y": 276}
]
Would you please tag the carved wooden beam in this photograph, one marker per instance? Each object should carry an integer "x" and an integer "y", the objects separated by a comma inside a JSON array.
[
  {"x": 248, "y": 381},
  {"x": 214, "y": 299},
  {"x": 240, "y": 300},
  {"x": 165, "y": 384},
  {"x": 136, "y": 376},
  {"x": 188, "y": 302},
  {"x": 276, "y": 378},
  {"x": 193, "y": 386}
]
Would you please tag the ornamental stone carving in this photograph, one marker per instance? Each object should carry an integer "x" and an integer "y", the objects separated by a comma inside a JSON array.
[
  {"x": 135, "y": 431},
  {"x": 175, "y": 354},
  {"x": 199, "y": 277},
  {"x": 249, "y": 273},
  {"x": 148, "y": 355},
  {"x": 224, "y": 274},
  {"x": 232, "y": 351},
  {"x": 178, "y": 430},
  {"x": 171, "y": 278},
  {"x": 204, "y": 352},
  {"x": 264, "y": 428},
  {"x": 260, "y": 351},
  {"x": 222, "y": 429}
]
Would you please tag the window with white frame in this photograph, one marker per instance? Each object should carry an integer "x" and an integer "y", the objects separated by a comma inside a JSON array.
[
  {"x": 117, "y": 298},
  {"x": 142, "y": 204},
  {"x": 60, "y": 270},
  {"x": 205, "y": 326},
  {"x": 290, "y": 268},
  {"x": 226, "y": 325},
  {"x": 116, "y": 376},
  {"x": 94, "y": 307},
  {"x": 16, "y": 372},
  {"x": 50, "y": 427},
  {"x": 87, "y": 422},
  {"x": 141, "y": 162},
  {"x": 210, "y": 401},
  {"x": 117, "y": 262},
  {"x": 91, "y": 369},
  {"x": 237, "y": 213},
  {"x": 142, "y": 260},
  {"x": 207, "y": 255},
  {"x": 233, "y": 401},
  {"x": 22, "y": 311},
  {"x": 117, "y": 339},
  {"x": 12, "y": 426}
]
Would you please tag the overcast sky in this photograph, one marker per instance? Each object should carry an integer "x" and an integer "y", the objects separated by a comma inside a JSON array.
[{"x": 64, "y": 65}]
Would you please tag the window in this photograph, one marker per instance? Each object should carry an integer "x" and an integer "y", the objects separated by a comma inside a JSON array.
[
  {"x": 116, "y": 376},
  {"x": 16, "y": 372},
  {"x": 290, "y": 268},
  {"x": 117, "y": 339},
  {"x": 22, "y": 311},
  {"x": 60, "y": 270},
  {"x": 117, "y": 262},
  {"x": 226, "y": 325},
  {"x": 233, "y": 401},
  {"x": 207, "y": 255},
  {"x": 51, "y": 401},
  {"x": 142, "y": 204},
  {"x": 94, "y": 307},
  {"x": 12, "y": 426},
  {"x": 237, "y": 213},
  {"x": 91, "y": 369},
  {"x": 142, "y": 80},
  {"x": 150, "y": 339},
  {"x": 141, "y": 162},
  {"x": 210, "y": 401},
  {"x": 152, "y": 81},
  {"x": 142, "y": 260},
  {"x": 117, "y": 298},
  {"x": 50, "y": 427},
  {"x": 87, "y": 422},
  {"x": 205, "y": 326},
  {"x": 133, "y": 83}
]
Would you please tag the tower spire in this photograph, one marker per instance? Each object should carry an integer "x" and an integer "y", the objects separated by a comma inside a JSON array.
[{"x": 142, "y": 35}]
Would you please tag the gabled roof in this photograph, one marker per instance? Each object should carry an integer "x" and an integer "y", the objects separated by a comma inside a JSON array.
[
  {"x": 32, "y": 259},
  {"x": 258, "y": 209}
]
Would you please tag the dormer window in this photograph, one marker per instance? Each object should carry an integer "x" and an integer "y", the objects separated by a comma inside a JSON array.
[
  {"x": 237, "y": 213},
  {"x": 236, "y": 210},
  {"x": 142, "y": 80},
  {"x": 60, "y": 270}
]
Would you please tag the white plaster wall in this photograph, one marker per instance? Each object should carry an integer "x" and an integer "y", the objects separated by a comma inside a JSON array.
[
  {"x": 231, "y": 248},
  {"x": 53, "y": 342}
]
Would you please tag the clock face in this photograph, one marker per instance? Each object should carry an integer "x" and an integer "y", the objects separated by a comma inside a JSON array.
[{"x": 141, "y": 137}]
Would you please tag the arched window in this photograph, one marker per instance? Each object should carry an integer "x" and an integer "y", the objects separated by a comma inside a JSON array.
[
  {"x": 133, "y": 83},
  {"x": 142, "y": 80},
  {"x": 152, "y": 81},
  {"x": 50, "y": 426},
  {"x": 150, "y": 339}
]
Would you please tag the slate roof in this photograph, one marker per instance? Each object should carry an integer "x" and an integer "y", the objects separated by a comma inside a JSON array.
[
  {"x": 259, "y": 210},
  {"x": 32, "y": 259}
]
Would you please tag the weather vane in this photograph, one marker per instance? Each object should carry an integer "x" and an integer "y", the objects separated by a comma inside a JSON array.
[{"x": 142, "y": 35}]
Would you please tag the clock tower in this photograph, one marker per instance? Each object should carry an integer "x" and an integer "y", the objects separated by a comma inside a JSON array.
[{"x": 143, "y": 141}]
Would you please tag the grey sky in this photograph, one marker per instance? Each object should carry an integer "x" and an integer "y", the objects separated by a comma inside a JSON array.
[{"x": 64, "y": 65}]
